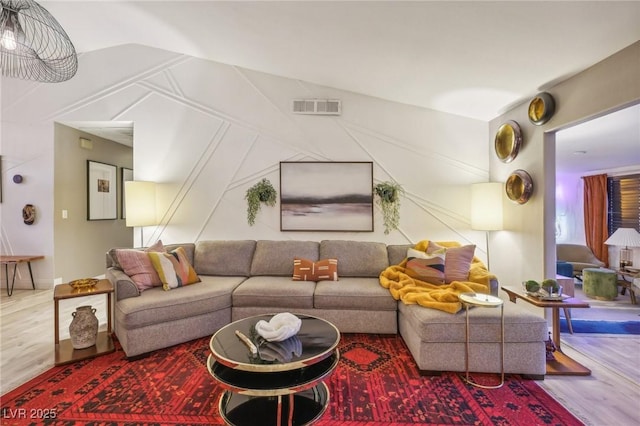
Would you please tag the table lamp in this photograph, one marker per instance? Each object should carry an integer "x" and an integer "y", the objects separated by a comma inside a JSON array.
[{"x": 627, "y": 237}]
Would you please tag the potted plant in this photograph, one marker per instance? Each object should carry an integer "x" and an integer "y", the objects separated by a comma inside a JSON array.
[
  {"x": 261, "y": 192},
  {"x": 388, "y": 198}
]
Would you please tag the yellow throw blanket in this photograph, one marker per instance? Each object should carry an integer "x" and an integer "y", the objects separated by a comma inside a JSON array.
[{"x": 444, "y": 296}]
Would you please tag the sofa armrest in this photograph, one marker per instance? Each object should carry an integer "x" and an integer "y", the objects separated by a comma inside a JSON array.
[{"x": 125, "y": 287}]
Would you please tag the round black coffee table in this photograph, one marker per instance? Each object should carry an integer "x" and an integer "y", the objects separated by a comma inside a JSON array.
[{"x": 274, "y": 383}]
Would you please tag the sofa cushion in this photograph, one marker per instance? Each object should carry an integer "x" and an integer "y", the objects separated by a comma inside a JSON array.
[
  {"x": 156, "y": 306},
  {"x": 137, "y": 265},
  {"x": 274, "y": 292},
  {"x": 174, "y": 269},
  {"x": 189, "y": 249},
  {"x": 435, "y": 326},
  {"x": 275, "y": 258},
  {"x": 353, "y": 293},
  {"x": 322, "y": 270},
  {"x": 397, "y": 253},
  {"x": 227, "y": 258},
  {"x": 356, "y": 258}
]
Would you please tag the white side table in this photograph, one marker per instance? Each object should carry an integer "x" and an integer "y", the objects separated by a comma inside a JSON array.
[{"x": 483, "y": 301}]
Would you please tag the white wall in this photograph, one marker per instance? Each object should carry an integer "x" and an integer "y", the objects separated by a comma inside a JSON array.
[
  {"x": 207, "y": 131},
  {"x": 526, "y": 249},
  {"x": 569, "y": 226}
]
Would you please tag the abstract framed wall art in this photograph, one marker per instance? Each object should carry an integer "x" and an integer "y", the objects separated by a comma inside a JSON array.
[
  {"x": 326, "y": 196},
  {"x": 102, "y": 191}
]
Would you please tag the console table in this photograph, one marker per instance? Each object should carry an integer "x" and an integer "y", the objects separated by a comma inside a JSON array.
[
  {"x": 563, "y": 364},
  {"x": 273, "y": 383},
  {"x": 15, "y": 260}
]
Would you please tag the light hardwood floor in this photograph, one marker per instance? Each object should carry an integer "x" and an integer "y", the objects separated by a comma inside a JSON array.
[{"x": 610, "y": 396}]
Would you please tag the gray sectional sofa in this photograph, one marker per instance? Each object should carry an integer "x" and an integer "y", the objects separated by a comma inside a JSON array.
[{"x": 246, "y": 277}]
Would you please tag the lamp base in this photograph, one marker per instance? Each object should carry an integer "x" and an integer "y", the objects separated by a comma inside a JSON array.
[
  {"x": 626, "y": 256},
  {"x": 625, "y": 263}
]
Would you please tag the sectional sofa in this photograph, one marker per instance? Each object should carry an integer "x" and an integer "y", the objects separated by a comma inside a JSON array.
[{"x": 245, "y": 277}]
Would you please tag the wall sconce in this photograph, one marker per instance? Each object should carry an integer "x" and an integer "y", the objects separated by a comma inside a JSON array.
[{"x": 140, "y": 205}]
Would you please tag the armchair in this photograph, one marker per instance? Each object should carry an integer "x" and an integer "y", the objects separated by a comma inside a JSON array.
[{"x": 579, "y": 256}]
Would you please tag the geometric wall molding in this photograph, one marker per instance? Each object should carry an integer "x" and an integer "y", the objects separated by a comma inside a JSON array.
[{"x": 207, "y": 131}]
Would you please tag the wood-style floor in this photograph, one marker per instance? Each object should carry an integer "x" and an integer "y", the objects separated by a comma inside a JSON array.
[{"x": 610, "y": 396}]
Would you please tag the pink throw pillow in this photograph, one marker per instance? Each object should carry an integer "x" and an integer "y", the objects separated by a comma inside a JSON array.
[
  {"x": 457, "y": 261},
  {"x": 137, "y": 265}
]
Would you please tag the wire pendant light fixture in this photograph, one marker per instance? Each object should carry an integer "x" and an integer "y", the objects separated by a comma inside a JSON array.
[{"x": 33, "y": 45}]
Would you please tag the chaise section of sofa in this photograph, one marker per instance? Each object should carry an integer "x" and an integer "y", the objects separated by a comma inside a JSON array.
[{"x": 437, "y": 341}]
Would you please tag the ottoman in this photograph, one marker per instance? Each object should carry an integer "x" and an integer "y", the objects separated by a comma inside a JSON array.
[
  {"x": 600, "y": 283},
  {"x": 564, "y": 268}
]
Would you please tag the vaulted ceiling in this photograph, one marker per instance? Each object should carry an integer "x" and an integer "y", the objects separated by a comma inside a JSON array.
[{"x": 475, "y": 58}]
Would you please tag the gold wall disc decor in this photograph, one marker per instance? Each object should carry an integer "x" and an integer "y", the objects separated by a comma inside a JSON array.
[
  {"x": 519, "y": 186},
  {"x": 508, "y": 141},
  {"x": 541, "y": 108}
]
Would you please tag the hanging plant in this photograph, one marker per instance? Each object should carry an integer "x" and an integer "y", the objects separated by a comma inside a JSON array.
[
  {"x": 388, "y": 198},
  {"x": 261, "y": 192}
]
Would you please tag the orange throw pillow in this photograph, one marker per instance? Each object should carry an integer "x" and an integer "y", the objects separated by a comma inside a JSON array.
[{"x": 322, "y": 270}]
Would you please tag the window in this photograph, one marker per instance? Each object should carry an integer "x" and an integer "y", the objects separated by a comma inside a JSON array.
[{"x": 624, "y": 202}]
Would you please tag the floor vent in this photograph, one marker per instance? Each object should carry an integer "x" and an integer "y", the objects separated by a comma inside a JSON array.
[{"x": 317, "y": 106}]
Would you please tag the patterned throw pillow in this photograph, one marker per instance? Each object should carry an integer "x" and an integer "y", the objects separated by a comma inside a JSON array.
[
  {"x": 322, "y": 270},
  {"x": 136, "y": 264},
  {"x": 174, "y": 269},
  {"x": 426, "y": 267},
  {"x": 458, "y": 261}
]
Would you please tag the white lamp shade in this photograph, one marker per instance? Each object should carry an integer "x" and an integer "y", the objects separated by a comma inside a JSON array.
[
  {"x": 140, "y": 203},
  {"x": 486, "y": 206},
  {"x": 627, "y": 237}
]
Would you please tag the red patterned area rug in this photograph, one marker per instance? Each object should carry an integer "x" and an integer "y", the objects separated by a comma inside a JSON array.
[{"x": 376, "y": 383}]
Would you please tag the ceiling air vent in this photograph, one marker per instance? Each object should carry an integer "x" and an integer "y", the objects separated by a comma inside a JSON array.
[{"x": 317, "y": 106}]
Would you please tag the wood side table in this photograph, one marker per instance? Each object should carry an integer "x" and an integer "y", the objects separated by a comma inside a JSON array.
[
  {"x": 64, "y": 350},
  {"x": 627, "y": 283},
  {"x": 15, "y": 260},
  {"x": 563, "y": 364}
]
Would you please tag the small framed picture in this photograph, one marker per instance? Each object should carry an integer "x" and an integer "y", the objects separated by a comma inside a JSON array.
[{"x": 102, "y": 191}]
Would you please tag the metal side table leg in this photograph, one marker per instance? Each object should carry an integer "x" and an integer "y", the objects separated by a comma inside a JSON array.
[{"x": 493, "y": 302}]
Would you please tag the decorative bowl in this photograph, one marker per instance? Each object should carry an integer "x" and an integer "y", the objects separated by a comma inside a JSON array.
[
  {"x": 84, "y": 283},
  {"x": 508, "y": 140},
  {"x": 519, "y": 186},
  {"x": 541, "y": 108}
]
